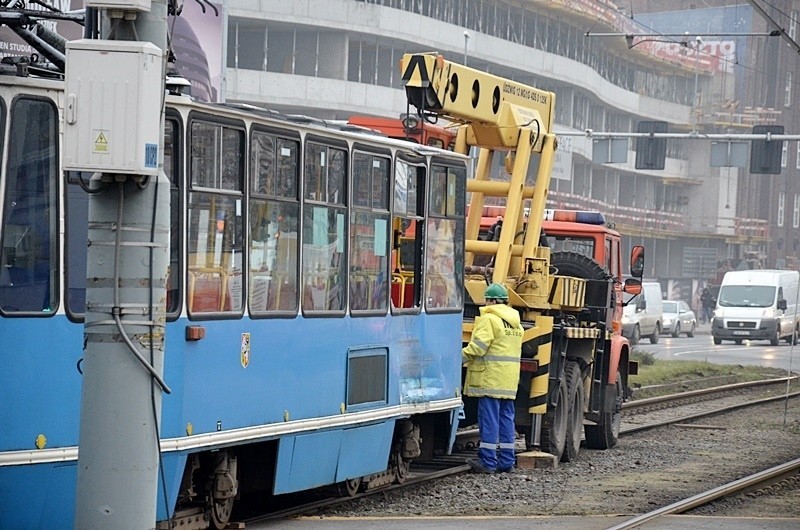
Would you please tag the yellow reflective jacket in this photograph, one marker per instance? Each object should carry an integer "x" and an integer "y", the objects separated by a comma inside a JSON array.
[{"x": 492, "y": 355}]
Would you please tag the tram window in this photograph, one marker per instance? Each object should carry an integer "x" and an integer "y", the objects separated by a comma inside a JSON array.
[
  {"x": 407, "y": 231},
  {"x": 444, "y": 266},
  {"x": 369, "y": 233},
  {"x": 407, "y": 178},
  {"x": 370, "y": 181},
  {"x": 172, "y": 169},
  {"x": 447, "y": 191},
  {"x": 215, "y": 219},
  {"x": 274, "y": 220},
  {"x": 29, "y": 255},
  {"x": 324, "y": 269},
  {"x": 77, "y": 234},
  {"x": 325, "y": 174},
  {"x": 77, "y": 215}
]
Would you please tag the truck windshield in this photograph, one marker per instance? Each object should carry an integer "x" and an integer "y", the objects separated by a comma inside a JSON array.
[
  {"x": 581, "y": 245},
  {"x": 746, "y": 296}
]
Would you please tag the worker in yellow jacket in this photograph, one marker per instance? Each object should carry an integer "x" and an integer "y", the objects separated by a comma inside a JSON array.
[{"x": 492, "y": 360}]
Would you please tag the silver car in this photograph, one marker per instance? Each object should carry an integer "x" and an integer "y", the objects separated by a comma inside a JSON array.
[{"x": 678, "y": 318}]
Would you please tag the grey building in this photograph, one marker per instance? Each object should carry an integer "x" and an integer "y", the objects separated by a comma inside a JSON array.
[{"x": 337, "y": 58}]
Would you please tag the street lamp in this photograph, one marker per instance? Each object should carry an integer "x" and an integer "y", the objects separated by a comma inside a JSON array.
[{"x": 466, "y": 40}]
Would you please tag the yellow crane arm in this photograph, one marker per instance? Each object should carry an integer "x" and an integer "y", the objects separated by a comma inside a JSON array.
[{"x": 494, "y": 108}]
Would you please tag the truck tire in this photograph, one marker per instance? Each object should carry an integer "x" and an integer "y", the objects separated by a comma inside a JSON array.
[
  {"x": 577, "y": 265},
  {"x": 554, "y": 423},
  {"x": 605, "y": 434},
  {"x": 575, "y": 394}
]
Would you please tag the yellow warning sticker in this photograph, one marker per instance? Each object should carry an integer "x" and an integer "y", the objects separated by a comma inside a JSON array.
[{"x": 100, "y": 142}]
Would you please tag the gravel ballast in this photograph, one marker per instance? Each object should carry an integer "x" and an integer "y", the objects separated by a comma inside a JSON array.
[{"x": 643, "y": 472}]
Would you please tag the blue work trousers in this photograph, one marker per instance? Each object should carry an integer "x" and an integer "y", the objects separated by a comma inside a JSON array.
[{"x": 496, "y": 424}]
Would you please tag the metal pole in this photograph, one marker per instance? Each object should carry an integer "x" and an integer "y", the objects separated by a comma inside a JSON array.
[
  {"x": 466, "y": 40},
  {"x": 127, "y": 265}
]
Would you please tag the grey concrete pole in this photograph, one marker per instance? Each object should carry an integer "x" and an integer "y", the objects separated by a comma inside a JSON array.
[{"x": 127, "y": 265}]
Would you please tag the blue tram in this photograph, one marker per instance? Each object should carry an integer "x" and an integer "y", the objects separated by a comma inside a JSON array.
[{"x": 314, "y": 307}]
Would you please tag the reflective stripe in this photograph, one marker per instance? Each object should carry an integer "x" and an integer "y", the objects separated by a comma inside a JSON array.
[
  {"x": 480, "y": 344},
  {"x": 487, "y": 445},
  {"x": 478, "y": 392},
  {"x": 501, "y": 358},
  {"x": 507, "y": 445}
]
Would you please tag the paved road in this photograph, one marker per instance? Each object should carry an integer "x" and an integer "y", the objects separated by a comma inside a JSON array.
[{"x": 702, "y": 348}]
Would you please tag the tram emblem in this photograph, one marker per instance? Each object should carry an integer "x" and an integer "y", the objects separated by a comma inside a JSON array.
[{"x": 245, "y": 354}]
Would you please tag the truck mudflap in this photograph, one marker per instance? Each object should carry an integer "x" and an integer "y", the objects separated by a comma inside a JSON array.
[{"x": 537, "y": 350}]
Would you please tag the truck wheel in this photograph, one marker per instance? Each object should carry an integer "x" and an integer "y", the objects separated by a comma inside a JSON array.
[
  {"x": 655, "y": 335},
  {"x": 605, "y": 434},
  {"x": 575, "y": 394},
  {"x": 577, "y": 265},
  {"x": 717, "y": 341},
  {"x": 554, "y": 424},
  {"x": 774, "y": 341}
]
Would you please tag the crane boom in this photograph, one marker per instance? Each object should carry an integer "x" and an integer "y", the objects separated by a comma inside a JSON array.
[
  {"x": 494, "y": 108},
  {"x": 496, "y": 114}
]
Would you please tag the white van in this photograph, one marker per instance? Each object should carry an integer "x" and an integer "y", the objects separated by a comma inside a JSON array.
[
  {"x": 756, "y": 304},
  {"x": 643, "y": 314}
]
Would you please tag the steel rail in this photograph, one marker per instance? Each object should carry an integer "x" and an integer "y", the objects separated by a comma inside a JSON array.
[
  {"x": 714, "y": 412},
  {"x": 713, "y": 494},
  {"x": 419, "y": 478},
  {"x": 658, "y": 400}
]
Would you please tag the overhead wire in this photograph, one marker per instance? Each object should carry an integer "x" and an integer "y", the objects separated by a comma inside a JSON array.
[{"x": 734, "y": 63}]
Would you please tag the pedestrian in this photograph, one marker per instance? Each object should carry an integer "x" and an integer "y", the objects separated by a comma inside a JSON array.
[
  {"x": 708, "y": 302},
  {"x": 492, "y": 359}
]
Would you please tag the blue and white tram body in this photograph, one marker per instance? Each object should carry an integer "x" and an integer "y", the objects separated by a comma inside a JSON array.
[{"x": 314, "y": 306}]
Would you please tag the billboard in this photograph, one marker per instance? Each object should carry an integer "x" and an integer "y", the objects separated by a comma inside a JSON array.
[{"x": 196, "y": 37}]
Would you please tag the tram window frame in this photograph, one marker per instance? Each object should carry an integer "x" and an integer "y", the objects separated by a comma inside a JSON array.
[
  {"x": 405, "y": 212},
  {"x": 368, "y": 286},
  {"x": 283, "y": 199},
  {"x": 330, "y": 212},
  {"x": 446, "y": 207},
  {"x": 76, "y": 261},
  {"x": 76, "y": 234},
  {"x": 51, "y": 181},
  {"x": 216, "y": 276},
  {"x": 177, "y": 183}
]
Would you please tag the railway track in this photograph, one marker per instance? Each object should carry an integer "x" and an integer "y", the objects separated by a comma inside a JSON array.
[
  {"x": 757, "y": 481},
  {"x": 666, "y": 409},
  {"x": 419, "y": 473},
  {"x": 447, "y": 465}
]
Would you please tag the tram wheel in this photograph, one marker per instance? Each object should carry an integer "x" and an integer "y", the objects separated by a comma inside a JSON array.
[
  {"x": 401, "y": 469},
  {"x": 221, "y": 512},
  {"x": 349, "y": 488}
]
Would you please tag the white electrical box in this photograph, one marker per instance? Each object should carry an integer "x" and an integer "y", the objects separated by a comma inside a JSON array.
[
  {"x": 112, "y": 107},
  {"x": 133, "y": 5}
]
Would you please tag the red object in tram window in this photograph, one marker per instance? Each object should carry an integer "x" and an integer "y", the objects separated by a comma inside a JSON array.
[{"x": 207, "y": 295}]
